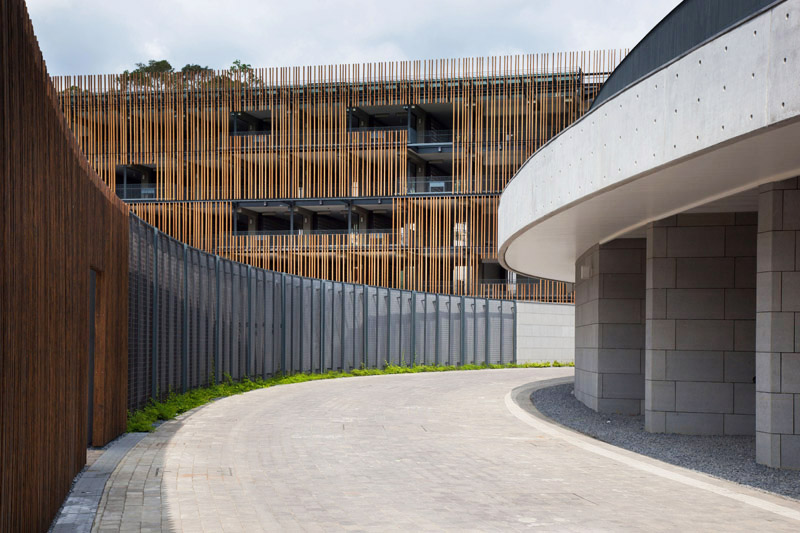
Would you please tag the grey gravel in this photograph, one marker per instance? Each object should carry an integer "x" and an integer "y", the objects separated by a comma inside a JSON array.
[{"x": 726, "y": 457}]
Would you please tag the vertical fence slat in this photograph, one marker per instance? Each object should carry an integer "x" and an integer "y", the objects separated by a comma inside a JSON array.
[
  {"x": 185, "y": 328},
  {"x": 154, "y": 363}
]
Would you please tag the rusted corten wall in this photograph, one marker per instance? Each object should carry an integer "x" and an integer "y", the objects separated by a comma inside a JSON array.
[{"x": 58, "y": 221}]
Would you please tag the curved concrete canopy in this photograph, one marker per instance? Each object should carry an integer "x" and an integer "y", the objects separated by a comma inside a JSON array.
[{"x": 722, "y": 119}]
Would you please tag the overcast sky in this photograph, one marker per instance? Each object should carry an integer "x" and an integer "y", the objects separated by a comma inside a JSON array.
[{"x": 108, "y": 36}]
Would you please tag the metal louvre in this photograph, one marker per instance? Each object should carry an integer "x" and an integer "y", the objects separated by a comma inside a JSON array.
[
  {"x": 195, "y": 318},
  {"x": 315, "y": 326},
  {"x": 406, "y": 333},
  {"x": 443, "y": 325},
  {"x": 359, "y": 299},
  {"x": 419, "y": 321},
  {"x": 470, "y": 346},
  {"x": 481, "y": 332},
  {"x": 394, "y": 326},
  {"x": 430, "y": 331},
  {"x": 372, "y": 322},
  {"x": 454, "y": 327},
  {"x": 338, "y": 331},
  {"x": 495, "y": 332}
]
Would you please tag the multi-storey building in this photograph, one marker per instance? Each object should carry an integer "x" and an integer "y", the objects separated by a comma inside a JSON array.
[{"x": 387, "y": 174}]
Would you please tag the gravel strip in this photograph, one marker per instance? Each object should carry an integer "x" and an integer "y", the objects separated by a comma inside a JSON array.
[{"x": 729, "y": 457}]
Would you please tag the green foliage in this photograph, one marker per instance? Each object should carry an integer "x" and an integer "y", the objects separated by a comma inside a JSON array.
[
  {"x": 175, "y": 404},
  {"x": 153, "y": 66},
  {"x": 241, "y": 67},
  {"x": 190, "y": 68}
]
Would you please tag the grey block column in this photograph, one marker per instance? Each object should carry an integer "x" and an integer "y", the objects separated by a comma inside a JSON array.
[
  {"x": 609, "y": 327},
  {"x": 700, "y": 338},
  {"x": 778, "y": 326}
]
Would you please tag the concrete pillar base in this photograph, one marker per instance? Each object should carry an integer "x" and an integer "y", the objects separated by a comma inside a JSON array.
[
  {"x": 778, "y": 326},
  {"x": 609, "y": 327},
  {"x": 700, "y": 316}
]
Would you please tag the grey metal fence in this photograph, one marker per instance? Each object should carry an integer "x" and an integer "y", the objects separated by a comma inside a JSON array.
[{"x": 195, "y": 317}]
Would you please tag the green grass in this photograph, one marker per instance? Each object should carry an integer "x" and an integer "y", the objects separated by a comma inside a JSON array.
[{"x": 175, "y": 404}]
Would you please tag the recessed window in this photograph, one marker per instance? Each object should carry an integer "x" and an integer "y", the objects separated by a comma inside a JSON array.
[
  {"x": 245, "y": 123},
  {"x": 136, "y": 181}
]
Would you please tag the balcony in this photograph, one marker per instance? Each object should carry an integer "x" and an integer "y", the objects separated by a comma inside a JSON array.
[
  {"x": 429, "y": 184},
  {"x": 542, "y": 290},
  {"x": 138, "y": 191},
  {"x": 269, "y": 233}
]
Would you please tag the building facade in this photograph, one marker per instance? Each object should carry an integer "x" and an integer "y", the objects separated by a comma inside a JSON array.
[
  {"x": 680, "y": 225},
  {"x": 386, "y": 174}
]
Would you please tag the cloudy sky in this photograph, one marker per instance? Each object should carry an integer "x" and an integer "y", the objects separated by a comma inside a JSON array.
[{"x": 107, "y": 36}]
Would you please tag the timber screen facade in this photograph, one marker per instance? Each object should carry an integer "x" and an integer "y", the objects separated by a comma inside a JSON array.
[{"x": 386, "y": 174}]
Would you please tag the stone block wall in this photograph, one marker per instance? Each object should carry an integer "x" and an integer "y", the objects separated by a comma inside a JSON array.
[
  {"x": 700, "y": 334},
  {"x": 778, "y": 326},
  {"x": 609, "y": 327}
]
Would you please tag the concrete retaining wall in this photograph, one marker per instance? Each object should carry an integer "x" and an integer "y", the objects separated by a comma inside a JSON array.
[{"x": 545, "y": 332}]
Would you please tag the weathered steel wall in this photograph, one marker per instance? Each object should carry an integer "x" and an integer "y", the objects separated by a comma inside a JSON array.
[{"x": 58, "y": 221}]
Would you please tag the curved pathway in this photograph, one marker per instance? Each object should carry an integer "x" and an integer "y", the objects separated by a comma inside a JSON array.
[{"x": 420, "y": 452}]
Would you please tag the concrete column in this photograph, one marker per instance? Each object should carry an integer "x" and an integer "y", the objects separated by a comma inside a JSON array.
[
  {"x": 700, "y": 335},
  {"x": 609, "y": 327},
  {"x": 778, "y": 326}
]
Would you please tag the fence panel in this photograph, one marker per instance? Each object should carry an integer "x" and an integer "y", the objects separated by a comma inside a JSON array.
[
  {"x": 375, "y": 310},
  {"x": 507, "y": 338},
  {"x": 495, "y": 325},
  {"x": 315, "y": 326},
  {"x": 482, "y": 332}
]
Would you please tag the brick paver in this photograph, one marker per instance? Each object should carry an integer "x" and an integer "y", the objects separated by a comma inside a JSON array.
[{"x": 422, "y": 452}]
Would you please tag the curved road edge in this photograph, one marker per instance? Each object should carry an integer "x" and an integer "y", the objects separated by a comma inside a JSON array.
[{"x": 518, "y": 403}]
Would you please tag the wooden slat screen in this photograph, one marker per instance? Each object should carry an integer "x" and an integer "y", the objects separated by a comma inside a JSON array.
[
  {"x": 58, "y": 220},
  {"x": 502, "y": 108}
]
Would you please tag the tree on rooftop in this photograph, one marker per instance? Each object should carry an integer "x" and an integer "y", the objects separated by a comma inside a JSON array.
[
  {"x": 154, "y": 66},
  {"x": 241, "y": 67},
  {"x": 243, "y": 73},
  {"x": 147, "y": 74},
  {"x": 194, "y": 69}
]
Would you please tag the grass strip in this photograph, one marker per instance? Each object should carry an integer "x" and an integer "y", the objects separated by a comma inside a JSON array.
[{"x": 144, "y": 419}]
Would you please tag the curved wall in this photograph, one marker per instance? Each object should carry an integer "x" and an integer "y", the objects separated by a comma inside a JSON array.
[
  {"x": 57, "y": 222},
  {"x": 688, "y": 25},
  {"x": 722, "y": 119}
]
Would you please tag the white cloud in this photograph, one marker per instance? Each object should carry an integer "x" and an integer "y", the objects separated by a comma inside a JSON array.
[{"x": 102, "y": 36}]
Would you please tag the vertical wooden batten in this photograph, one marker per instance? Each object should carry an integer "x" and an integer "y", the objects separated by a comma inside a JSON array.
[{"x": 58, "y": 221}]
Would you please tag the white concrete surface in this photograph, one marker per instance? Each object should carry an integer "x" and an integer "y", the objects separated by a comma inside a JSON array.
[
  {"x": 545, "y": 332},
  {"x": 722, "y": 119}
]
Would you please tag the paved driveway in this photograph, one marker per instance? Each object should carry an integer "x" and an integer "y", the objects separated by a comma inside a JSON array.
[{"x": 422, "y": 452}]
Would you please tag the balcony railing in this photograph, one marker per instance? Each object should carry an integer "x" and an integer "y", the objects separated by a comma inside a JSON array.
[
  {"x": 435, "y": 136},
  {"x": 429, "y": 184},
  {"x": 137, "y": 191},
  {"x": 376, "y": 128},
  {"x": 543, "y": 290},
  {"x": 313, "y": 232}
]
